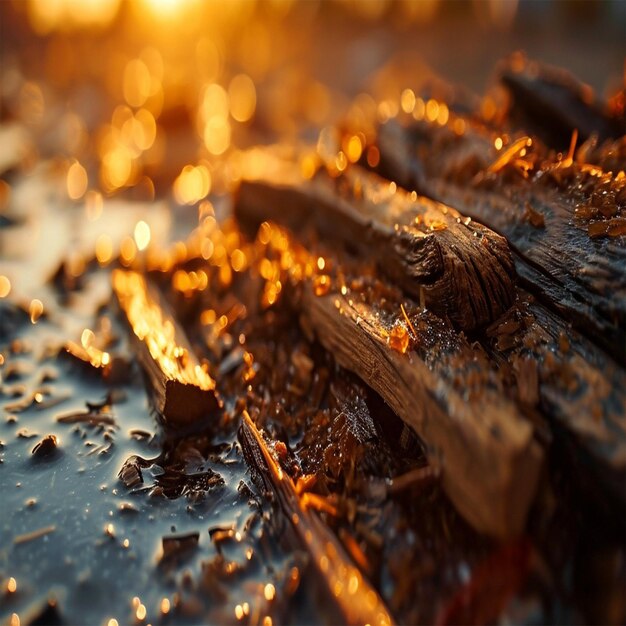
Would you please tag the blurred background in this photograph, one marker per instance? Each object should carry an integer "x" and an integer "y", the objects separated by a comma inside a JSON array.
[{"x": 145, "y": 97}]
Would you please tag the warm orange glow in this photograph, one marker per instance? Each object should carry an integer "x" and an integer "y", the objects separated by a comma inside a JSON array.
[
  {"x": 144, "y": 129},
  {"x": 104, "y": 249},
  {"x": 399, "y": 338},
  {"x": 77, "y": 181},
  {"x": 192, "y": 184},
  {"x": 354, "y": 148},
  {"x": 137, "y": 83},
  {"x": 157, "y": 331},
  {"x": 407, "y": 101},
  {"x": 269, "y": 592},
  {"x": 116, "y": 167},
  {"x": 5, "y": 286},
  {"x": 93, "y": 205},
  {"x": 309, "y": 165},
  {"x": 128, "y": 251},
  {"x": 217, "y": 135},
  {"x": 341, "y": 162},
  {"x": 87, "y": 338},
  {"x": 168, "y": 9},
  {"x": 36, "y": 310},
  {"x": 49, "y": 15},
  {"x": 142, "y": 235},
  {"x": 443, "y": 115},
  {"x": 87, "y": 351},
  {"x": 432, "y": 110},
  {"x": 238, "y": 260},
  {"x": 373, "y": 156},
  {"x": 510, "y": 153},
  {"x": 420, "y": 109},
  {"x": 242, "y": 96}
]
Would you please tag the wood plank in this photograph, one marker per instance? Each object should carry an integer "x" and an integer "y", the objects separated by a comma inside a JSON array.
[
  {"x": 183, "y": 393},
  {"x": 563, "y": 227},
  {"x": 460, "y": 269},
  {"x": 486, "y": 449}
]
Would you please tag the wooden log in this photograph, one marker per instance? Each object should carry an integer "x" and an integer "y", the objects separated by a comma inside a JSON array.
[
  {"x": 444, "y": 390},
  {"x": 552, "y": 103},
  {"x": 564, "y": 220},
  {"x": 183, "y": 393},
  {"x": 357, "y": 599},
  {"x": 460, "y": 269}
]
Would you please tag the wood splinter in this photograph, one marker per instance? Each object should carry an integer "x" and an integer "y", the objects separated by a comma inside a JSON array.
[{"x": 184, "y": 393}]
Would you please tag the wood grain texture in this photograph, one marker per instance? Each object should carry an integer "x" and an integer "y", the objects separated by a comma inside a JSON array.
[
  {"x": 462, "y": 270},
  {"x": 581, "y": 277},
  {"x": 486, "y": 449}
]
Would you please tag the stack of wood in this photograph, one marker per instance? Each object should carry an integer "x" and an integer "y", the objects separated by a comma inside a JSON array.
[
  {"x": 443, "y": 242},
  {"x": 472, "y": 274}
]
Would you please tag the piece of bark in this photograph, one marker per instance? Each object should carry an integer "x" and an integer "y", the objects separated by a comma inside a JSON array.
[
  {"x": 552, "y": 103},
  {"x": 460, "y": 269},
  {"x": 357, "y": 599},
  {"x": 184, "y": 394},
  {"x": 446, "y": 393},
  {"x": 563, "y": 219}
]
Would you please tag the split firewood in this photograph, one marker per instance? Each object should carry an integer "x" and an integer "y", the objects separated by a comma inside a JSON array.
[
  {"x": 565, "y": 220},
  {"x": 357, "y": 599},
  {"x": 552, "y": 103},
  {"x": 458, "y": 268},
  {"x": 184, "y": 394},
  {"x": 545, "y": 368},
  {"x": 438, "y": 385}
]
